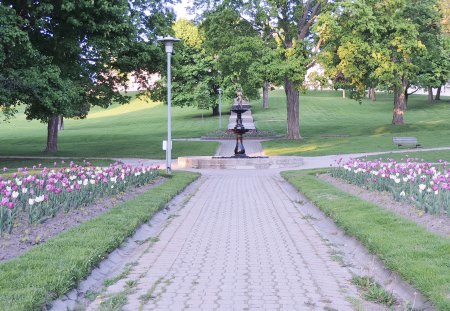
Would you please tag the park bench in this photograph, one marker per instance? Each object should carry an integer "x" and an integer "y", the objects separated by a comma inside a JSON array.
[{"x": 406, "y": 141}]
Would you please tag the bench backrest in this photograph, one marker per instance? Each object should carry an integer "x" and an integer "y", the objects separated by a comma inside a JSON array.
[{"x": 404, "y": 140}]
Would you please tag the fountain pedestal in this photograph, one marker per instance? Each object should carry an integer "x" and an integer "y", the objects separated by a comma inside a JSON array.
[{"x": 239, "y": 130}]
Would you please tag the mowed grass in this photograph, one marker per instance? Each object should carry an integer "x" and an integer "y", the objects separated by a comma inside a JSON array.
[
  {"x": 420, "y": 257},
  {"x": 133, "y": 130},
  {"x": 47, "y": 271},
  {"x": 330, "y": 124}
]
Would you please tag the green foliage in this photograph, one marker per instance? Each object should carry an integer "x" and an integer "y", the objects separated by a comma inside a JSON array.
[
  {"x": 50, "y": 270},
  {"x": 189, "y": 33},
  {"x": 81, "y": 52},
  {"x": 244, "y": 59},
  {"x": 434, "y": 63},
  {"x": 369, "y": 43},
  {"x": 420, "y": 257},
  {"x": 379, "y": 43},
  {"x": 248, "y": 51},
  {"x": 246, "y": 64},
  {"x": 195, "y": 79},
  {"x": 284, "y": 27},
  {"x": 17, "y": 62}
]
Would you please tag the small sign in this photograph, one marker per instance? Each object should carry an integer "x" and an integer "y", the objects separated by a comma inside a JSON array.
[{"x": 164, "y": 145}]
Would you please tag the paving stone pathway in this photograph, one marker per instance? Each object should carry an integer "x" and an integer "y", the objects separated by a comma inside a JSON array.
[{"x": 239, "y": 243}]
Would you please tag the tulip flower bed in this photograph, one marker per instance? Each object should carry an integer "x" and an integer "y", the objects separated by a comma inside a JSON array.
[
  {"x": 425, "y": 185},
  {"x": 38, "y": 195},
  {"x": 47, "y": 271}
]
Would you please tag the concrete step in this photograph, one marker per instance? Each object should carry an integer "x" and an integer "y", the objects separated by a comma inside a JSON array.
[{"x": 239, "y": 163}]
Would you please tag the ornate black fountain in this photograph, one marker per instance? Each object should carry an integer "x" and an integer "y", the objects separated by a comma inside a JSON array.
[{"x": 239, "y": 130}]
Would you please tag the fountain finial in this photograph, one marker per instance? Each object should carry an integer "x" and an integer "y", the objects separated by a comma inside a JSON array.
[{"x": 238, "y": 100}]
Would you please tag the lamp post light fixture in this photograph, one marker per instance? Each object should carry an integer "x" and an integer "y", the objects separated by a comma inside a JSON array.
[
  {"x": 168, "y": 42},
  {"x": 220, "y": 107}
]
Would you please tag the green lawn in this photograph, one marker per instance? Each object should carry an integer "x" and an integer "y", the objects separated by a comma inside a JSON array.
[
  {"x": 329, "y": 125},
  {"x": 333, "y": 125},
  {"x": 420, "y": 257},
  {"x": 133, "y": 130}
]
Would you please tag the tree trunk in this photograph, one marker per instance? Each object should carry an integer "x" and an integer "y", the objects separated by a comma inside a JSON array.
[
  {"x": 215, "y": 110},
  {"x": 400, "y": 103},
  {"x": 293, "y": 113},
  {"x": 372, "y": 94},
  {"x": 343, "y": 93},
  {"x": 61, "y": 123},
  {"x": 438, "y": 93},
  {"x": 52, "y": 134},
  {"x": 430, "y": 95},
  {"x": 266, "y": 86}
]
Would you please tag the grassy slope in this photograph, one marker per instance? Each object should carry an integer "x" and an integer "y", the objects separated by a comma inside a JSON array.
[
  {"x": 53, "y": 268},
  {"x": 329, "y": 125},
  {"x": 133, "y": 130},
  {"x": 362, "y": 128},
  {"x": 420, "y": 257}
]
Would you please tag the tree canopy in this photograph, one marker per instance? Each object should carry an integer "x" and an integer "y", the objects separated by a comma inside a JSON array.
[
  {"x": 389, "y": 44},
  {"x": 195, "y": 78},
  {"x": 82, "y": 51},
  {"x": 284, "y": 27}
]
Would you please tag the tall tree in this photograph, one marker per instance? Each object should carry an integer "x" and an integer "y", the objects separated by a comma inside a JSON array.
[
  {"x": 434, "y": 62},
  {"x": 18, "y": 60},
  {"x": 88, "y": 46},
  {"x": 195, "y": 79},
  {"x": 444, "y": 7},
  {"x": 246, "y": 60},
  {"x": 289, "y": 24},
  {"x": 370, "y": 42}
]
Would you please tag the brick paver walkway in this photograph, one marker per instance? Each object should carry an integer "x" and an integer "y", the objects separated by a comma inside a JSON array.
[{"x": 238, "y": 244}]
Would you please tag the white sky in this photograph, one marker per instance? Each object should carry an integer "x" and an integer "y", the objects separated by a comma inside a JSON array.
[{"x": 180, "y": 9}]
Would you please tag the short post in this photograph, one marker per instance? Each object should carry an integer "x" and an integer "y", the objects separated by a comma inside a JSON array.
[{"x": 168, "y": 42}]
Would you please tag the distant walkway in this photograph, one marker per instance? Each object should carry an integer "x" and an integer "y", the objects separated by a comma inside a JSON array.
[{"x": 253, "y": 148}]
